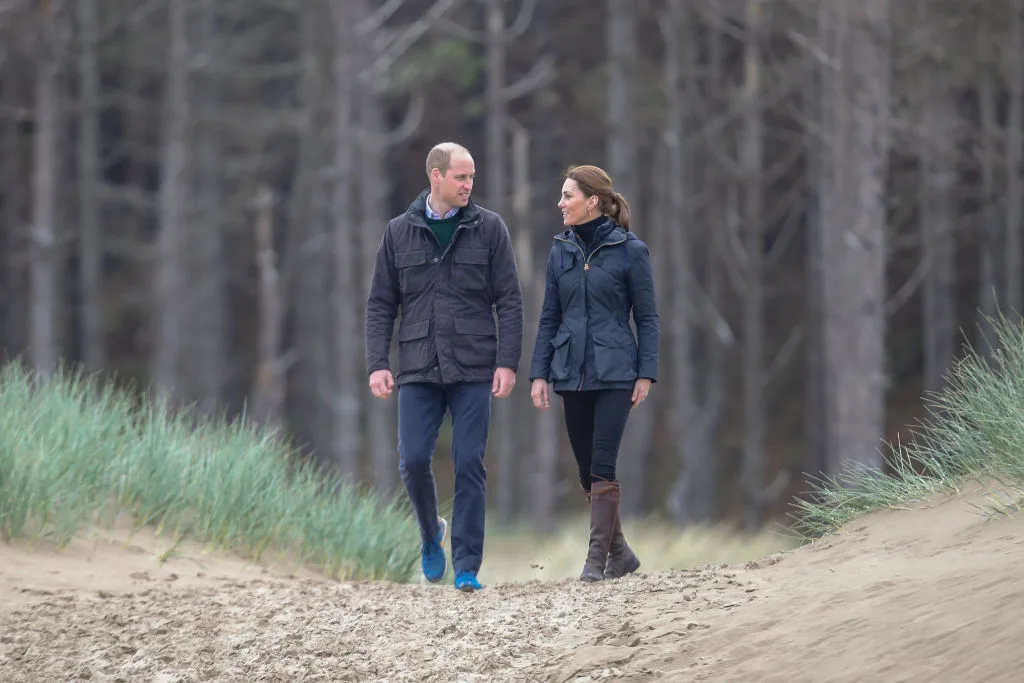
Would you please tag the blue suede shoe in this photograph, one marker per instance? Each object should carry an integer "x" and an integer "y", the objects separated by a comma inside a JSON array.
[
  {"x": 433, "y": 561},
  {"x": 466, "y": 582}
]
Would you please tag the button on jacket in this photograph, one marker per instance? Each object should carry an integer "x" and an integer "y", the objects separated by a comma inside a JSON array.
[
  {"x": 448, "y": 299},
  {"x": 584, "y": 341}
]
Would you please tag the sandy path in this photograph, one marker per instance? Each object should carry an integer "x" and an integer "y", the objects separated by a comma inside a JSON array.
[{"x": 932, "y": 594}]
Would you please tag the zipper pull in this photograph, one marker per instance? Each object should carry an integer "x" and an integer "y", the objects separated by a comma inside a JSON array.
[{"x": 586, "y": 266}]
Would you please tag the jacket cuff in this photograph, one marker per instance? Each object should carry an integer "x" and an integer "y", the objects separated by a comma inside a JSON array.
[
  {"x": 648, "y": 372},
  {"x": 379, "y": 365}
]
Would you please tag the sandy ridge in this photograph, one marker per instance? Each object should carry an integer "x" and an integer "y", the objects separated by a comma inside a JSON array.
[{"x": 929, "y": 594}]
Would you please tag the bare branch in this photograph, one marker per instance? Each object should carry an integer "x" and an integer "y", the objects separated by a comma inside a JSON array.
[
  {"x": 737, "y": 265},
  {"x": 812, "y": 47},
  {"x": 460, "y": 31},
  {"x": 128, "y": 196},
  {"x": 783, "y": 357},
  {"x": 377, "y": 20},
  {"x": 902, "y": 296},
  {"x": 411, "y": 122},
  {"x": 522, "y": 22},
  {"x": 406, "y": 39},
  {"x": 789, "y": 229},
  {"x": 541, "y": 73}
]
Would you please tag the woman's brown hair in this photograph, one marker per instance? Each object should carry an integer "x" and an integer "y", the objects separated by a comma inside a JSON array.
[{"x": 595, "y": 182}]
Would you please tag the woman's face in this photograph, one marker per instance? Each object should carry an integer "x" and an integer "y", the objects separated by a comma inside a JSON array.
[{"x": 576, "y": 207}]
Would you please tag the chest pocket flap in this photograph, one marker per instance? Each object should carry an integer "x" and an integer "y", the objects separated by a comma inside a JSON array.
[
  {"x": 414, "y": 257},
  {"x": 473, "y": 256}
]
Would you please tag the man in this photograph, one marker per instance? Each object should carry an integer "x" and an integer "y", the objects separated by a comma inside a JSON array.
[{"x": 448, "y": 264}]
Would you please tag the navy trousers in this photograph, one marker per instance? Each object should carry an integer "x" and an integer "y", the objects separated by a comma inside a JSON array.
[{"x": 421, "y": 409}]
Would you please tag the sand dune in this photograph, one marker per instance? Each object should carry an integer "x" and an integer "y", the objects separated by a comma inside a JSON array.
[{"x": 932, "y": 593}]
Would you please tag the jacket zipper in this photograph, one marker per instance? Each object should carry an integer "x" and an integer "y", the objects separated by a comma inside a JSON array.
[
  {"x": 586, "y": 269},
  {"x": 451, "y": 242}
]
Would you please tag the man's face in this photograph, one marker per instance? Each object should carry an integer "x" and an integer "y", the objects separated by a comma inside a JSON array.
[{"x": 455, "y": 186}]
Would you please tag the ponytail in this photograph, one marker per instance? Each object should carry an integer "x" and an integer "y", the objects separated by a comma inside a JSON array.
[{"x": 620, "y": 210}]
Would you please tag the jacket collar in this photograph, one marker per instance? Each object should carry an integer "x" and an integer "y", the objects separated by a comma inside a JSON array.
[
  {"x": 417, "y": 211},
  {"x": 608, "y": 233}
]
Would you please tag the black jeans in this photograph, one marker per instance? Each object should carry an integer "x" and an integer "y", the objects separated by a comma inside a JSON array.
[
  {"x": 595, "y": 421},
  {"x": 421, "y": 408}
]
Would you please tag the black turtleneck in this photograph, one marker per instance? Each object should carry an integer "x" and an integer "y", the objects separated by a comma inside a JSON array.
[{"x": 587, "y": 231}]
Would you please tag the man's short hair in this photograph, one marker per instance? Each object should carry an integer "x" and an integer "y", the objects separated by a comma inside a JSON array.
[{"x": 440, "y": 157}]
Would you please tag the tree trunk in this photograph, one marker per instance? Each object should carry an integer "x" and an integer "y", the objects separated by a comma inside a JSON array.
[
  {"x": 938, "y": 181},
  {"x": 816, "y": 454},
  {"x": 752, "y": 162},
  {"x": 12, "y": 238},
  {"x": 374, "y": 189},
  {"x": 268, "y": 390},
  {"x": 853, "y": 225},
  {"x": 991, "y": 243},
  {"x": 305, "y": 272},
  {"x": 687, "y": 497},
  {"x": 45, "y": 270},
  {"x": 207, "y": 346},
  {"x": 171, "y": 299},
  {"x": 348, "y": 431},
  {"x": 544, "y": 495},
  {"x": 90, "y": 242},
  {"x": 1013, "y": 267},
  {"x": 505, "y": 445}
]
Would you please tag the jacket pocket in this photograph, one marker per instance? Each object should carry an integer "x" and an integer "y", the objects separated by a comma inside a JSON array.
[
  {"x": 471, "y": 267},
  {"x": 414, "y": 271},
  {"x": 560, "y": 360},
  {"x": 614, "y": 358},
  {"x": 414, "y": 346},
  {"x": 475, "y": 342}
]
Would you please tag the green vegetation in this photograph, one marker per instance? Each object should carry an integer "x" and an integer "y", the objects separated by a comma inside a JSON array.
[
  {"x": 976, "y": 432},
  {"x": 76, "y": 452}
]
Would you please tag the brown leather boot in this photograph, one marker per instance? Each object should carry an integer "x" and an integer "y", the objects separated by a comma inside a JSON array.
[
  {"x": 604, "y": 505},
  {"x": 621, "y": 558}
]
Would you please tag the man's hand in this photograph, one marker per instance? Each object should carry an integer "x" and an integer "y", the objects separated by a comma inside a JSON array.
[
  {"x": 504, "y": 380},
  {"x": 381, "y": 383},
  {"x": 539, "y": 394},
  {"x": 640, "y": 390}
]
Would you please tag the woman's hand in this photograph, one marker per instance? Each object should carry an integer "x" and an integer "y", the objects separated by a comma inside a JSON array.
[
  {"x": 539, "y": 394},
  {"x": 640, "y": 390}
]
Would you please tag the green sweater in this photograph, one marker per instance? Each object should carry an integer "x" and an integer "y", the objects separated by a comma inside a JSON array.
[{"x": 445, "y": 228}]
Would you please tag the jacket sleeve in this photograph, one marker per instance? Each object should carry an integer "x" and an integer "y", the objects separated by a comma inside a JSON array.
[
  {"x": 547, "y": 326},
  {"x": 645, "y": 309},
  {"x": 508, "y": 300},
  {"x": 382, "y": 307}
]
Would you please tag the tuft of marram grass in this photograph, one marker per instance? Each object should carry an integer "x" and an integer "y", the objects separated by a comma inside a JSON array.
[
  {"x": 76, "y": 452},
  {"x": 975, "y": 431}
]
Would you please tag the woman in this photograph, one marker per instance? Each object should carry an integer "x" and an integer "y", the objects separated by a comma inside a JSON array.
[{"x": 598, "y": 272}]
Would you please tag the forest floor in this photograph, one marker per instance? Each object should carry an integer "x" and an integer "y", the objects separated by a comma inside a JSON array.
[{"x": 928, "y": 593}]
